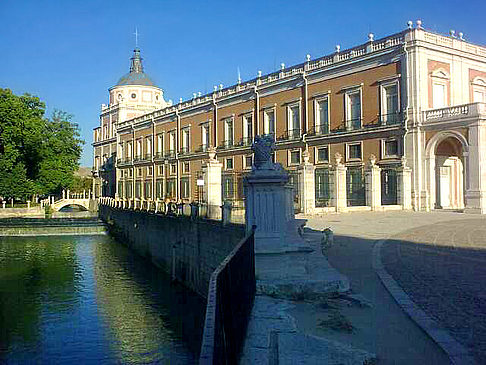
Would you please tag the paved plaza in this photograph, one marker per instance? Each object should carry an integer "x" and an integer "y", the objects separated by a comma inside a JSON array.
[{"x": 437, "y": 258}]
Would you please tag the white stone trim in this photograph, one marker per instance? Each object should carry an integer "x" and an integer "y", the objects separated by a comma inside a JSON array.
[{"x": 348, "y": 158}]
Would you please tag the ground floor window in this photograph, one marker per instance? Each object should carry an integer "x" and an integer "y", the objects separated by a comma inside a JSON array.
[
  {"x": 185, "y": 191},
  {"x": 389, "y": 186},
  {"x": 355, "y": 187},
  {"x": 128, "y": 189},
  {"x": 323, "y": 187},
  {"x": 120, "y": 189},
  {"x": 228, "y": 187},
  {"x": 294, "y": 182},
  {"x": 159, "y": 189},
  {"x": 147, "y": 189},
  {"x": 138, "y": 189},
  {"x": 170, "y": 188}
]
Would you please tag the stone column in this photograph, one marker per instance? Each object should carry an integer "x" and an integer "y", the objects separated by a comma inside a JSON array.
[
  {"x": 212, "y": 191},
  {"x": 28, "y": 204},
  {"x": 3, "y": 204},
  {"x": 339, "y": 183},
  {"x": 373, "y": 184},
  {"x": 404, "y": 182},
  {"x": 307, "y": 185}
]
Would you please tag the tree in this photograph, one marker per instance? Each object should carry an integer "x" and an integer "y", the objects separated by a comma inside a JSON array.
[
  {"x": 60, "y": 153},
  {"x": 37, "y": 154}
]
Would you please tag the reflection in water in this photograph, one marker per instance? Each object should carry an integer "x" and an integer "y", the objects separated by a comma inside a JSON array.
[{"x": 88, "y": 299}]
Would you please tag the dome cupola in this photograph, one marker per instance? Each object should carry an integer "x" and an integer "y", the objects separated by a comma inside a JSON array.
[{"x": 136, "y": 76}]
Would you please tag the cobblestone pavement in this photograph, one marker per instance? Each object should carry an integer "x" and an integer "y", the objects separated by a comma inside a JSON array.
[
  {"x": 442, "y": 267},
  {"x": 387, "y": 330}
]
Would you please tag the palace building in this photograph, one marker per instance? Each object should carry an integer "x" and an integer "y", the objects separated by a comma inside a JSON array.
[{"x": 394, "y": 123}]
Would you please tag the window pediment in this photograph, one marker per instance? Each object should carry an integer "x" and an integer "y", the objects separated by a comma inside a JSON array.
[{"x": 440, "y": 73}]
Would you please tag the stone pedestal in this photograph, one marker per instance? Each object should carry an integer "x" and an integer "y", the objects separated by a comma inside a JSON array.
[
  {"x": 404, "y": 182},
  {"x": 307, "y": 185},
  {"x": 338, "y": 174},
  {"x": 266, "y": 207},
  {"x": 212, "y": 191},
  {"x": 269, "y": 203},
  {"x": 373, "y": 184}
]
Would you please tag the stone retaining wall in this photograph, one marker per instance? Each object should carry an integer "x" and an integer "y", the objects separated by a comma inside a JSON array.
[{"x": 189, "y": 250}]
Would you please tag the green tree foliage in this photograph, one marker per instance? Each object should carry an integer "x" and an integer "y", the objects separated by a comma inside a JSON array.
[{"x": 37, "y": 154}]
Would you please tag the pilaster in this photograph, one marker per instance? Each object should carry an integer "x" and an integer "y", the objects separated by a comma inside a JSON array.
[
  {"x": 373, "y": 184},
  {"x": 475, "y": 199},
  {"x": 339, "y": 182},
  {"x": 404, "y": 182},
  {"x": 212, "y": 191},
  {"x": 307, "y": 185}
]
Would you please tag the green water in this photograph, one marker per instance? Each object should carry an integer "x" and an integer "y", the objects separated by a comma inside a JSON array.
[{"x": 90, "y": 300}]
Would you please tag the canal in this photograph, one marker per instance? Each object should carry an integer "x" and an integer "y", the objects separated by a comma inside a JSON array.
[{"x": 89, "y": 299}]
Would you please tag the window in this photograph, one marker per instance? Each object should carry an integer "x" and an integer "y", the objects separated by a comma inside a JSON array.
[
  {"x": 129, "y": 150},
  {"x": 269, "y": 122},
  {"x": 228, "y": 132},
  {"x": 438, "y": 95},
  {"x": 160, "y": 144},
  {"x": 147, "y": 189},
  {"x": 389, "y": 104},
  {"x": 138, "y": 189},
  {"x": 172, "y": 142},
  {"x": 439, "y": 81},
  {"x": 139, "y": 148},
  {"x": 148, "y": 145},
  {"x": 205, "y": 137},
  {"x": 139, "y": 172},
  {"x": 160, "y": 170},
  {"x": 185, "y": 193},
  {"x": 128, "y": 189},
  {"x": 185, "y": 167},
  {"x": 322, "y": 187},
  {"x": 229, "y": 163},
  {"x": 322, "y": 115},
  {"x": 355, "y": 187},
  {"x": 173, "y": 169},
  {"x": 294, "y": 157},
  {"x": 247, "y": 130},
  {"x": 322, "y": 154},
  {"x": 479, "y": 90},
  {"x": 247, "y": 161},
  {"x": 390, "y": 148},
  {"x": 353, "y": 110},
  {"x": 134, "y": 96},
  {"x": 228, "y": 187},
  {"x": 354, "y": 151},
  {"x": 185, "y": 133},
  {"x": 149, "y": 170},
  {"x": 159, "y": 189},
  {"x": 170, "y": 188},
  {"x": 293, "y": 125},
  {"x": 130, "y": 173}
]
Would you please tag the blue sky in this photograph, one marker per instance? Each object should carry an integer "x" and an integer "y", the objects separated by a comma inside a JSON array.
[{"x": 70, "y": 52}]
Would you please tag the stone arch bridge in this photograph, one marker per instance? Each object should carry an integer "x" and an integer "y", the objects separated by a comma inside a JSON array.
[{"x": 87, "y": 204}]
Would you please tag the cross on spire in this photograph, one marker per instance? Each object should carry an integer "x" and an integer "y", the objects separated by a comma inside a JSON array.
[{"x": 136, "y": 37}]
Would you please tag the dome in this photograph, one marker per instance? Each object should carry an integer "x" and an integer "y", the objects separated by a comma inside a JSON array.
[{"x": 136, "y": 76}]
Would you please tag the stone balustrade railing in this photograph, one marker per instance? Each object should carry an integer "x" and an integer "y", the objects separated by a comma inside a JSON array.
[
  {"x": 307, "y": 67},
  {"x": 454, "y": 112}
]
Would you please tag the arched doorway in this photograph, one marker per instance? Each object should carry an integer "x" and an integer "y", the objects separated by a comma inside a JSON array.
[
  {"x": 449, "y": 174},
  {"x": 446, "y": 155}
]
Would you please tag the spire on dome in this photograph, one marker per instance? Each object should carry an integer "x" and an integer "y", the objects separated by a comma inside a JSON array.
[{"x": 136, "y": 61}]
